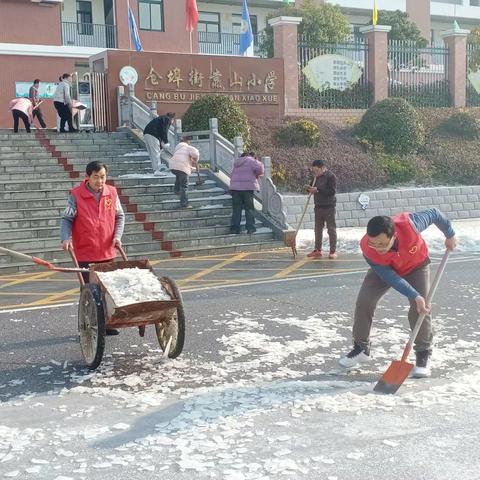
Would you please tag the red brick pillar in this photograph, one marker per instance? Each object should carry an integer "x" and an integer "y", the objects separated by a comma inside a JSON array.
[
  {"x": 377, "y": 59},
  {"x": 285, "y": 45},
  {"x": 456, "y": 42}
]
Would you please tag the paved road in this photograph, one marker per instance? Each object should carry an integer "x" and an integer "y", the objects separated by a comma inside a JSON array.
[{"x": 256, "y": 393}]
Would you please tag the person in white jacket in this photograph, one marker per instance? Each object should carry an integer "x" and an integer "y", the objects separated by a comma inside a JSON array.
[{"x": 184, "y": 160}]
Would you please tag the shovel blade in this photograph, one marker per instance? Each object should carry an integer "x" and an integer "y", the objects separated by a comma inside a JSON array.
[{"x": 394, "y": 377}]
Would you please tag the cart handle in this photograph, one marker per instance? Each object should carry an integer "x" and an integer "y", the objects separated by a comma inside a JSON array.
[
  {"x": 75, "y": 261},
  {"x": 122, "y": 252}
]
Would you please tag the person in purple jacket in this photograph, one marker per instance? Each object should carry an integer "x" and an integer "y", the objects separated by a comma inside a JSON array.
[{"x": 244, "y": 181}]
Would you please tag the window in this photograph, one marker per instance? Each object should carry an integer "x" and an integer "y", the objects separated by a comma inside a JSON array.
[
  {"x": 209, "y": 23},
  {"x": 237, "y": 23},
  {"x": 84, "y": 17},
  {"x": 150, "y": 15}
]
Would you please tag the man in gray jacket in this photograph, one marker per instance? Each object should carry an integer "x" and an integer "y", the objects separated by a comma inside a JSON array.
[{"x": 63, "y": 103}]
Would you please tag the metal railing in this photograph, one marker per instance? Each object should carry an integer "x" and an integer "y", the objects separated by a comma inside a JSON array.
[
  {"x": 89, "y": 35},
  {"x": 333, "y": 75},
  {"x": 215, "y": 150},
  {"x": 419, "y": 75},
  {"x": 214, "y": 43},
  {"x": 473, "y": 76}
]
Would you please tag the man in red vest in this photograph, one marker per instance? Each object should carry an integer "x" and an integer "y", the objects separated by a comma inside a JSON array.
[
  {"x": 93, "y": 221},
  {"x": 398, "y": 257}
]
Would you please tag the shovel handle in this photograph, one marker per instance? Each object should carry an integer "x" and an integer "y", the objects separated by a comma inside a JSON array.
[
  {"x": 13, "y": 253},
  {"x": 430, "y": 294},
  {"x": 305, "y": 207}
]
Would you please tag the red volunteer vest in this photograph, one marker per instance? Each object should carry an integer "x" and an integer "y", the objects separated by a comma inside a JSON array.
[
  {"x": 94, "y": 225},
  {"x": 412, "y": 250}
]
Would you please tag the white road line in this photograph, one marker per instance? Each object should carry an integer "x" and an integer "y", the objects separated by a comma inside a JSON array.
[{"x": 245, "y": 284}]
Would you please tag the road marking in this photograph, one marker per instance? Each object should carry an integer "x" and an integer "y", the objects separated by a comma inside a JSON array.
[
  {"x": 295, "y": 266},
  {"x": 216, "y": 267},
  {"x": 264, "y": 281},
  {"x": 56, "y": 296},
  {"x": 36, "y": 276}
]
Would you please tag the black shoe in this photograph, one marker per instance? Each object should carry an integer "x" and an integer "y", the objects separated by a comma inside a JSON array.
[
  {"x": 251, "y": 231},
  {"x": 110, "y": 332},
  {"x": 234, "y": 230},
  {"x": 62, "y": 131}
]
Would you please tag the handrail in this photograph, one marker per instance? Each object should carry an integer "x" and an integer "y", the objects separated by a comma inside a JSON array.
[{"x": 215, "y": 149}]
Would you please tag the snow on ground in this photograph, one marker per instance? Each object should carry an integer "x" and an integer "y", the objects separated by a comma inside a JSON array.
[
  {"x": 257, "y": 404},
  {"x": 252, "y": 413},
  {"x": 137, "y": 153},
  {"x": 468, "y": 234}
]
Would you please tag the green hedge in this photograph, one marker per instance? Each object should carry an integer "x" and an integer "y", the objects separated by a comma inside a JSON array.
[
  {"x": 394, "y": 124},
  {"x": 232, "y": 121}
]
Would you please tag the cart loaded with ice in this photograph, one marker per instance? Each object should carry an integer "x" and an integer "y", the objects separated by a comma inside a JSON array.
[{"x": 122, "y": 294}]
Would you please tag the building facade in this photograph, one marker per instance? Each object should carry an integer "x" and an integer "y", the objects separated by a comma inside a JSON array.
[{"x": 45, "y": 38}]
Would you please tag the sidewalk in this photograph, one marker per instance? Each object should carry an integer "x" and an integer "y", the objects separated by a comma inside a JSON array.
[{"x": 468, "y": 234}]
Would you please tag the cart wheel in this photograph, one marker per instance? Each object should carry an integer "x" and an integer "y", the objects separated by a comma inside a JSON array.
[
  {"x": 91, "y": 324},
  {"x": 174, "y": 327}
]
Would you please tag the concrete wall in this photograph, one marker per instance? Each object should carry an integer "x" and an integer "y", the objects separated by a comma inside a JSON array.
[
  {"x": 22, "y": 21},
  {"x": 25, "y": 69},
  {"x": 174, "y": 39},
  {"x": 456, "y": 202}
]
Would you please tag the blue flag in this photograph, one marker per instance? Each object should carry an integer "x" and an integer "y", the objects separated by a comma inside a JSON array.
[
  {"x": 134, "y": 32},
  {"x": 246, "y": 35}
]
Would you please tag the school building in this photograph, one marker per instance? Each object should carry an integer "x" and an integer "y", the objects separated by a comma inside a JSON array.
[{"x": 45, "y": 38}]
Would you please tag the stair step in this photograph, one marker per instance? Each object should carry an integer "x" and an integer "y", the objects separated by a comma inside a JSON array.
[
  {"x": 52, "y": 251},
  {"x": 34, "y": 187},
  {"x": 15, "y": 266}
]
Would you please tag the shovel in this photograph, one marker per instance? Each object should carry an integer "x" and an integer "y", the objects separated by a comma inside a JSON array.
[
  {"x": 39, "y": 261},
  {"x": 290, "y": 237},
  {"x": 398, "y": 371}
]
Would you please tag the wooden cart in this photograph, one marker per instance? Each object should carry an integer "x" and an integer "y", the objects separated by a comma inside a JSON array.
[{"x": 97, "y": 311}]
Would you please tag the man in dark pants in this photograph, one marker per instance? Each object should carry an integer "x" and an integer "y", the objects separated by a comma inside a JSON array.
[
  {"x": 34, "y": 96},
  {"x": 93, "y": 221},
  {"x": 398, "y": 258},
  {"x": 62, "y": 101},
  {"x": 324, "y": 194}
]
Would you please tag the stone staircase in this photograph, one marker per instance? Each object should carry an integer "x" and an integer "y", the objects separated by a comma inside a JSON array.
[{"x": 37, "y": 170}]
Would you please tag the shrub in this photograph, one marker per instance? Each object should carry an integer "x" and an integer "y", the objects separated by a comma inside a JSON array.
[
  {"x": 398, "y": 169},
  {"x": 462, "y": 125},
  {"x": 232, "y": 121},
  {"x": 395, "y": 124},
  {"x": 300, "y": 133},
  {"x": 291, "y": 166}
]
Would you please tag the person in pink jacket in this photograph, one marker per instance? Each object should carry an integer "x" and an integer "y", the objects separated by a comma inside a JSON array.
[
  {"x": 183, "y": 162},
  {"x": 21, "y": 108},
  {"x": 243, "y": 182}
]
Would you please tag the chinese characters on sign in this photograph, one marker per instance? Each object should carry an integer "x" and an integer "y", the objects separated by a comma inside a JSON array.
[
  {"x": 186, "y": 85},
  {"x": 333, "y": 71}
]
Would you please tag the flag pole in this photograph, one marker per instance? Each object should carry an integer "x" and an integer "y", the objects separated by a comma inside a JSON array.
[
  {"x": 191, "y": 43},
  {"x": 128, "y": 21}
]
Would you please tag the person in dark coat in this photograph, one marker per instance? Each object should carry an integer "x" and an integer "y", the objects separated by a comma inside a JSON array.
[
  {"x": 34, "y": 96},
  {"x": 155, "y": 137},
  {"x": 324, "y": 194}
]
